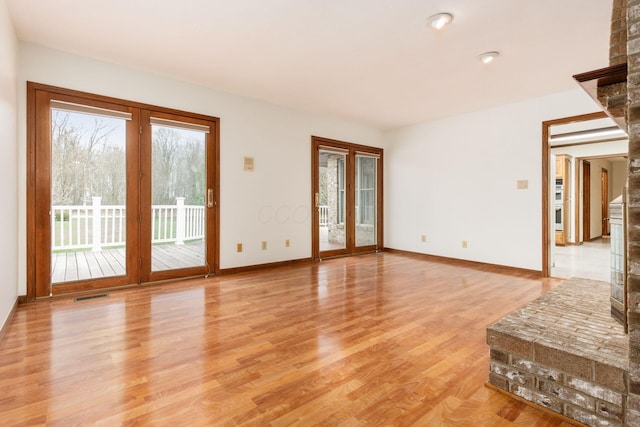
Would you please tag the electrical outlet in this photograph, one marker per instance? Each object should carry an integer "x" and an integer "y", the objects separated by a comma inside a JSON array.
[
  {"x": 464, "y": 244},
  {"x": 264, "y": 245},
  {"x": 423, "y": 238},
  {"x": 287, "y": 243},
  {"x": 239, "y": 247}
]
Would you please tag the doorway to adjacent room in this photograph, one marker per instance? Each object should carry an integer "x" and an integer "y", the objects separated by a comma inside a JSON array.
[{"x": 584, "y": 169}]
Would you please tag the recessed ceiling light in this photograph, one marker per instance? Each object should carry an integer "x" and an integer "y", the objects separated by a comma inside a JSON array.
[
  {"x": 488, "y": 57},
  {"x": 440, "y": 20}
]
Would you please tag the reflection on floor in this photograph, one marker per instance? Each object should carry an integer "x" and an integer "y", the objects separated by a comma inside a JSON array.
[{"x": 590, "y": 260}]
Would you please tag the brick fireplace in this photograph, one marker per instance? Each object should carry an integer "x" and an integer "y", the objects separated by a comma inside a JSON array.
[
  {"x": 564, "y": 351},
  {"x": 633, "y": 209}
]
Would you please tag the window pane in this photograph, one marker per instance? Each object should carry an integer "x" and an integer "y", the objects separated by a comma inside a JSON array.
[
  {"x": 366, "y": 193},
  {"x": 178, "y": 163},
  {"x": 88, "y": 196},
  {"x": 332, "y": 200}
]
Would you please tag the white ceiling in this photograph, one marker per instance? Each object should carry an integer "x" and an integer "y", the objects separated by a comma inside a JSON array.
[{"x": 370, "y": 61}]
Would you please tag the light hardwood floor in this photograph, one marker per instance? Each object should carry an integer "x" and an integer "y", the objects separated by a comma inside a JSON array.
[{"x": 370, "y": 340}]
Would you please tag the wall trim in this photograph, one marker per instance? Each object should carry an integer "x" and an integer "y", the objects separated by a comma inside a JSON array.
[
  {"x": 5, "y": 325},
  {"x": 243, "y": 269},
  {"x": 477, "y": 265}
]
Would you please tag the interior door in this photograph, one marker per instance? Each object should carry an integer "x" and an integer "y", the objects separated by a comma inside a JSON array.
[{"x": 347, "y": 198}]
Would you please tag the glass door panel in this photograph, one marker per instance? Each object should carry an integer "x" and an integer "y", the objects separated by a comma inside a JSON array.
[
  {"x": 117, "y": 194},
  {"x": 88, "y": 193},
  {"x": 366, "y": 200},
  {"x": 331, "y": 200},
  {"x": 178, "y": 195},
  {"x": 347, "y": 189}
]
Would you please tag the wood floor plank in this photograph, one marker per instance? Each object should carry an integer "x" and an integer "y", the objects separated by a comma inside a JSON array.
[
  {"x": 82, "y": 266},
  {"x": 95, "y": 271},
  {"x": 380, "y": 339}
]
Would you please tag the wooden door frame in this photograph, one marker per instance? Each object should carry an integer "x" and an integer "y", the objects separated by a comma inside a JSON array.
[
  {"x": 340, "y": 146},
  {"x": 546, "y": 205},
  {"x": 566, "y": 200},
  {"x": 39, "y": 187},
  {"x": 352, "y": 149},
  {"x": 38, "y": 172},
  {"x": 147, "y": 275},
  {"x": 578, "y": 201},
  {"x": 604, "y": 204},
  {"x": 586, "y": 201}
]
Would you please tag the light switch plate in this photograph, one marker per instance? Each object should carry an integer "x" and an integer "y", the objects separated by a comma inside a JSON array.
[
  {"x": 523, "y": 184},
  {"x": 248, "y": 164}
]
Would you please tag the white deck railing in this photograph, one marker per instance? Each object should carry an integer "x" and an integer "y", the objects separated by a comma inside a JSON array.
[
  {"x": 324, "y": 216},
  {"x": 98, "y": 226}
]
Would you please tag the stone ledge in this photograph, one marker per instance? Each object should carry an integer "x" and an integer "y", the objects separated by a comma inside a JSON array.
[
  {"x": 573, "y": 318},
  {"x": 564, "y": 352}
]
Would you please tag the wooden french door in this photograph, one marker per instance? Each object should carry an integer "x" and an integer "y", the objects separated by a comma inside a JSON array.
[
  {"x": 347, "y": 198},
  {"x": 178, "y": 184},
  {"x": 119, "y": 193}
]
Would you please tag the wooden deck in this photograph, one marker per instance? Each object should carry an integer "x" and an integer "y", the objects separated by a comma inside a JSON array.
[
  {"x": 371, "y": 340},
  {"x": 81, "y": 265}
]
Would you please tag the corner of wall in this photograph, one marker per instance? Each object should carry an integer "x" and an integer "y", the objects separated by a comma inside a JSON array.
[{"x": 9, "y": 161}]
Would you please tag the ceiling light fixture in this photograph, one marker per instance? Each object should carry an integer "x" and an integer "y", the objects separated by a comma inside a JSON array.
[
  {"x": 488, "y": 57},
  {"x": 440, "y": 20}
]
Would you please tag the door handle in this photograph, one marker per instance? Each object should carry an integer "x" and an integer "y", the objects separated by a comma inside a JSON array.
[
  {"x": 210, "y": 197},
  {"x": 317, "y": 200}
]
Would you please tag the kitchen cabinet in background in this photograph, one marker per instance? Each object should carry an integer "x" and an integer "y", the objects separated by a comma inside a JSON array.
[{"x": 563, "y": 168}]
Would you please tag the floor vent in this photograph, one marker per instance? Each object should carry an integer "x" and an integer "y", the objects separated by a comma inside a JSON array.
[{"x": 91, "y": 297}]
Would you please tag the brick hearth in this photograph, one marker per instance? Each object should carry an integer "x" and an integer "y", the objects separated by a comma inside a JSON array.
[{"x": 564, "y": 352}]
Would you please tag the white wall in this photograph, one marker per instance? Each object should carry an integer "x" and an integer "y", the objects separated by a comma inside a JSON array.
[
  {"x": 272, "y": 203},
  {"x": 617, "y": 178},
  {"x": 8, "y": 164},
  {"x": 455, "y": 179}
]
